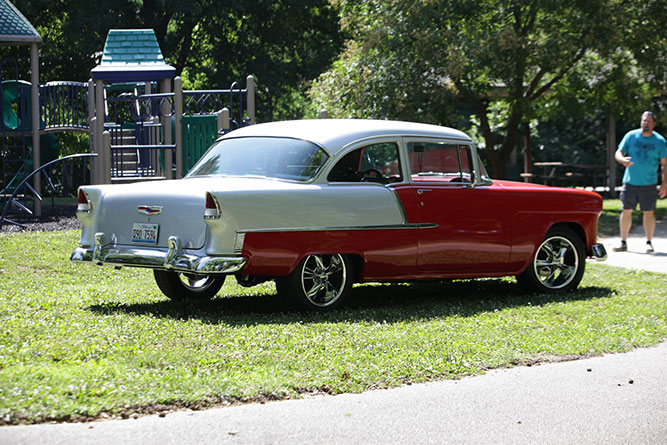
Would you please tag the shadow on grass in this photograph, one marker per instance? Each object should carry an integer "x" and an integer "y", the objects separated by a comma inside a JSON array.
[{"x": 369, "y": 302}]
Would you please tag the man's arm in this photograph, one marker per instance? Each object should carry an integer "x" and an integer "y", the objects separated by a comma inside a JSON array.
[
  {"x": 663, "y": 187},
  {"x": 622, "y": 159}
]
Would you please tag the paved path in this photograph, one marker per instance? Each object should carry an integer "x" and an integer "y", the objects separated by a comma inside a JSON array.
[
  {"x": 620, "y": 398},
  {"x": 636, "y": 256}
]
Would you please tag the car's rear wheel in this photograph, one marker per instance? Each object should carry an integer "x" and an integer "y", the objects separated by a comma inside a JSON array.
[
  {"x": 319, "y": 283},
  {"x": 184, "y": 286},
  {"x": 558, "y": 264}
]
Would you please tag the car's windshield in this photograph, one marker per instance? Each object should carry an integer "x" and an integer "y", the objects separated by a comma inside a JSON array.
[{"x": 271, "y": 157}]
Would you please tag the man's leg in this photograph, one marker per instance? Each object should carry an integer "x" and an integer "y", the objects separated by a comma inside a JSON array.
[
  {"x": 649, "y": 224},
  {"x": 626, "y": 223},
  {"x": 628, "y": 199},
  {"x": 648, "y": 197}
]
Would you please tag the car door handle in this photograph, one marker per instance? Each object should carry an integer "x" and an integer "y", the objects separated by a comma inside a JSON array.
[{"x": 422, "y": 191}]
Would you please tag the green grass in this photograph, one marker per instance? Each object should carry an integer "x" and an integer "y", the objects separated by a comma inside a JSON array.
[
  {"x": 80, "y": 341},
  {"x": 611, "y": 212}
]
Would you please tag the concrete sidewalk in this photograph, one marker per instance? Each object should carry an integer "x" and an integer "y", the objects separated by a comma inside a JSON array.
[{"x": 636, "y": 256}]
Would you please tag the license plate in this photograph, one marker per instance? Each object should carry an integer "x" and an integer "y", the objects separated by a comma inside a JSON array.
[{"x": 144, "y": 233}]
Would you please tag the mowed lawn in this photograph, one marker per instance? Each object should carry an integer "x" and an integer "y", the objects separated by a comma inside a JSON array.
[{"x": 80, "y": 341}]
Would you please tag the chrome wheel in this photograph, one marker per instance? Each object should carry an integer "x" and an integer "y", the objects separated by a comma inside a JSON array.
[
  {"x": 196, "y": 282},
  {"x": 319, "y": 283},
  {"x": 556, "y": 262},
  {"x": 323, "y": 279},
  {"x": 181, "y": 286}
]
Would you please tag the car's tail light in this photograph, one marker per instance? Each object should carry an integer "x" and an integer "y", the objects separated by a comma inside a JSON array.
[
  {"x": 212, "y": 210},
  {"x": 83, "y": 203}
]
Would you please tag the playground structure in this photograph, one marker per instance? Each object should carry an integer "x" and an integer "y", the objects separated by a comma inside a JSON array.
[{"x": 142, "y": 124}]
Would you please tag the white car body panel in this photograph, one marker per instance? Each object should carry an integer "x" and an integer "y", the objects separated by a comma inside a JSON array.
[{"x": 282, "y": 204}]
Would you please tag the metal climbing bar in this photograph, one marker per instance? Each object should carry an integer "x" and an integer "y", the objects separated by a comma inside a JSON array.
[{"x": 13, "y": 199}]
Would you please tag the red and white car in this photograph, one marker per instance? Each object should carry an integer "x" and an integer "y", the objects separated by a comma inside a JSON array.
[{"x": 318, "y": 205}]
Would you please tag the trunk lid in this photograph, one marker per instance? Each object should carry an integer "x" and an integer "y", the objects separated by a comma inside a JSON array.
[
  {"x": 176, "y": 207},
  {"x": 173, "y": 208}
]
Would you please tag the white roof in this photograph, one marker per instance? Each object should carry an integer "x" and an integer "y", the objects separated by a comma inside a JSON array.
[{"x": 335, "y": 134}]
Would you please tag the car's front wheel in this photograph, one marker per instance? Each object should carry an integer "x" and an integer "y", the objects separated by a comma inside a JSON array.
[
  {"x": 183, "y": 286},
  {"x": 558, "y": 264},
  {"x": 319, "y": 283}
]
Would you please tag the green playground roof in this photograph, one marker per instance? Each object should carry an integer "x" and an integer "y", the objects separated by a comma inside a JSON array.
[
  {"x": 132, "y": 55},
  {"x": 14, "y": 27}
]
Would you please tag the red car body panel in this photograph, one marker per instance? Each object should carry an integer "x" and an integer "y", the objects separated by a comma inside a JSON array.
[{"x": 451, "y": 231}]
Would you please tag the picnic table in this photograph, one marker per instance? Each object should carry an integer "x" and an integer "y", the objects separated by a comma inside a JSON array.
[{"x": 559, "y": 173}]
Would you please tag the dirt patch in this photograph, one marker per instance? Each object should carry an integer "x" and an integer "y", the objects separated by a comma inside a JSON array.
[{"x": 58, "y": 218}]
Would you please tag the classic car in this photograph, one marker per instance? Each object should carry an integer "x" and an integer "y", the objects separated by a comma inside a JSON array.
[{"x": 317, "y": 205}]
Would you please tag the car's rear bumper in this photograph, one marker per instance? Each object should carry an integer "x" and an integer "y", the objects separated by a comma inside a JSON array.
[
  {"x": 172, "y": 258},
  {"x": 598, "y": 252}
]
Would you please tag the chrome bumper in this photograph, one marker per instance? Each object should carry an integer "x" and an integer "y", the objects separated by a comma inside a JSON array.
[
  {"x": 598, "y": 252},
  {"x": 172, "y": 258}
]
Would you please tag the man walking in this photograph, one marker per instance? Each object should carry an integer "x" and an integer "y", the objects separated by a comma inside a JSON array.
[{"x": 641, "y": 152}]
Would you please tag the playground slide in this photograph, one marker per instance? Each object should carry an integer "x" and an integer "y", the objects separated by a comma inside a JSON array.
[
  {"x": 12, "y": 120},
  {"x": 12, "y": 103}
]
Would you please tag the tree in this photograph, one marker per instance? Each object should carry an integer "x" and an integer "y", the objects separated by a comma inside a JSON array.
[
  {"x": 285, "y": 44},
  {"x": 500, "y": 58},
  {"x": 645, "y": 37}
]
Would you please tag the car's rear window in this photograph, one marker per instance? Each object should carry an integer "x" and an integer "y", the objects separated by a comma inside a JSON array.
[{"x": 270, "y": 157}]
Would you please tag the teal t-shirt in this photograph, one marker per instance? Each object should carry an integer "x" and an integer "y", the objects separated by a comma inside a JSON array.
[{"x": 645, "y": 153}]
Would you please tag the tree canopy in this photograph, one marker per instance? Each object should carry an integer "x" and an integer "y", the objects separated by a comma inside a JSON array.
[
  {"x": 284, "y": 44},
  {"x": 489, "y": 67},
  {"x": 501, "y": 59}
]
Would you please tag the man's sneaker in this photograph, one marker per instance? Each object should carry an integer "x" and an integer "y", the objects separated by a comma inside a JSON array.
[
  {"x": 649, "y": 247},
  {"x": 622, "y": 248}
]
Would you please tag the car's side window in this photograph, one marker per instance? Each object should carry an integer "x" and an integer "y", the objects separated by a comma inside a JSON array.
[
  {"x": 372, "y": 163},
  {"x": 439, "y": 161},
  {"x": 466, "y": 161}
]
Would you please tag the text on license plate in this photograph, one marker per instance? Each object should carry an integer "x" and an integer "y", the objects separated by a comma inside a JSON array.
[{"x": 144, "y": 233}]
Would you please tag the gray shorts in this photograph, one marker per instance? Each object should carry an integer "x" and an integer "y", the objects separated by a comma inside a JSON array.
[{"x": 645, "y": 195}]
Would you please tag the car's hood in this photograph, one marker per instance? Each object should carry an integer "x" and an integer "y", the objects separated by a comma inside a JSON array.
[{"x": 569, "y": 198}]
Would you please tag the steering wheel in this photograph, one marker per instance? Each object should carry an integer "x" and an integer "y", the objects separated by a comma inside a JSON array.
[{"x": 371, "y": 175}]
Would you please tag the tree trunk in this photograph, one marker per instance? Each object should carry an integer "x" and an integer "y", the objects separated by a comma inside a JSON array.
[
  {"x": 497, "y": 164},
  {"x": 498, "y": 157}
]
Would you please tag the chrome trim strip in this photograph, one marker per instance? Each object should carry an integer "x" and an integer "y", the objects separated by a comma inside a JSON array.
[
  {"x": 172, "y": 258},
  {"x": 340, "y": 228}
]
